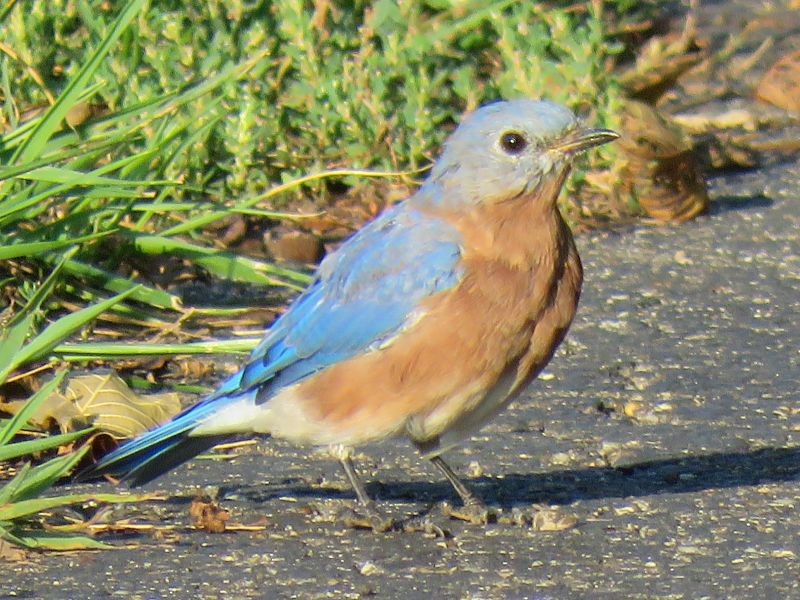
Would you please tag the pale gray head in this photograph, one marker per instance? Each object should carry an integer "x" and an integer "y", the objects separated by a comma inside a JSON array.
[{"x": 507, "y": 148}]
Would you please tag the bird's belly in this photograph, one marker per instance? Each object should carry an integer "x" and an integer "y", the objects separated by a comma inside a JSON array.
[{"x": 461, "y": 416}]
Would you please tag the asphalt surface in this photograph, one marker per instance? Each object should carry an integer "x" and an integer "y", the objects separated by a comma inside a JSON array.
[{"x": 661, "y": 448}]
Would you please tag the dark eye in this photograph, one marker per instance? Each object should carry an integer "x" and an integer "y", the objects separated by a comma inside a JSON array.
[{"x": 513, "y": 142}]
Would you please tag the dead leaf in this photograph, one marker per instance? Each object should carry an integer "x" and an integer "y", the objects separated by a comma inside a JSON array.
[
  {"x": 208, "y": 515},
  {"x": 660, "y": 169},
  {"x": 295, "y": 246},
  {"x": 105, "y": 401},
  {"x": 781, "y": 83},
  {"x": 730, "y": 119},
  {"x": 661, "y": 61},
  {"x": 11, "y": 553},
  {"x": 193, "y": 368},
  {"x": 549, "y": 519},
  {"x": 82, "y": 112}
]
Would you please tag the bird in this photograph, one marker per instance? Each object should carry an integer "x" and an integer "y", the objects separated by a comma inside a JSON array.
[{"x": 425, "y": 324}]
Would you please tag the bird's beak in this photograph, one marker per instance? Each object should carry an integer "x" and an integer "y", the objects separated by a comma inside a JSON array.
[{"x": 581, "y": 140}]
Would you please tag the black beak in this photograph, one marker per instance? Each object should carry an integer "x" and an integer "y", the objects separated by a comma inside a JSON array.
[{"x": 582, "y": 140}]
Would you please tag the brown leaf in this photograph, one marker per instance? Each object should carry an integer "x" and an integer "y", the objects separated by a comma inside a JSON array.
[
  {"x": 781, "y": 83},
  {"x": 660, "y": 168},
  {"x": 553, "y": 520},
  {"x": 105, "y": 401},
  {"x": 295, "y": 246},
  {"x": 82, "y": 112},
  {"x": 11, "y": 553},
  {"x": 208, "y": 515},
  {"x": 194, "y": 368}
]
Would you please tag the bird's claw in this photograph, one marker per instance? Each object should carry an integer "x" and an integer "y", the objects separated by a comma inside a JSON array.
[
  {"x": 367, "y": 517},
  {"x": 474, "y": 512}
]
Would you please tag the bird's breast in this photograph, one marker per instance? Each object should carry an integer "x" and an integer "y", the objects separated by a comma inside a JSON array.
[{"x": 525, "y": 311}]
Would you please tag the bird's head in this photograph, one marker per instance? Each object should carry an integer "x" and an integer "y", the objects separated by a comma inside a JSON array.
[{"x": 506, "y": 149}]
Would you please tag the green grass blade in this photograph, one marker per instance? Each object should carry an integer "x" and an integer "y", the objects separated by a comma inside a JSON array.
[
  {"x": 37, "y": 248},
  {"x": 51, "y": 121},
  {"x": 6, "y": 9},
  {"x": 5, "y": 534},
  {"x": 38, "y": 540},
  {"x": 115, "y": 283},
  {"x": 9, "y": 172},
  {"x": 24, "y": 508},
  {"x": 19, "y": 420},
  {"x": 99, "y": 350},
  {"x": 9, "y": 489},
  {"x": 59, "y": 175},
  {"x": 11, "y": 340},
  {"x": 222, "y": 264},
  {"x": 39, "y": 478},
  {"x": 43, "y": 290},
  {"x": 9, "y": 451},
  {"x": 206, "y": 219},
  {"x": 17, "y": 136},
  {"x": 57, "y": 332}
]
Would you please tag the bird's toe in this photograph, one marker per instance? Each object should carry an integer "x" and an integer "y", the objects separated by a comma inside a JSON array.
[
  {"x": 474, "y": 512},
  {"x": 367, "y": 517}
]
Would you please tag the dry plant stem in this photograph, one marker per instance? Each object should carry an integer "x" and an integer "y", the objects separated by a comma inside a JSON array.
[{"x": 34, "y": 74}]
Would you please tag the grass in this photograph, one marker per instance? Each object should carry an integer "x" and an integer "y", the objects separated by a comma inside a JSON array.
[
  {"x": 368, "y": 84},
  {"x": 129, "y": 130},
  {"x": 20, "y": 502}
]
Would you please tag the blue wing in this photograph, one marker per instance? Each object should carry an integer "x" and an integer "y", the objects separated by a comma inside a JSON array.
[{"x": 363, "y": 296}]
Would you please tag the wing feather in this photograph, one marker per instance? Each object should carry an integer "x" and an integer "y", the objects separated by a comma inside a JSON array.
[{"x": 363, "y": 296}]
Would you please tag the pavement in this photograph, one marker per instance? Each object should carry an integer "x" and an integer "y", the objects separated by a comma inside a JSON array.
[{"x": 659, "y": 453}]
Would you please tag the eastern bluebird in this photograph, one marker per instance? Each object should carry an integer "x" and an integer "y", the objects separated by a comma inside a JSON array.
[{"x": 426, "y": 323}]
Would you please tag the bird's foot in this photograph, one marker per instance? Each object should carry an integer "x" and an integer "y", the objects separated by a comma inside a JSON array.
[
  {"x": 367, "y": 516},
  {"x": 473, "y": 511}
]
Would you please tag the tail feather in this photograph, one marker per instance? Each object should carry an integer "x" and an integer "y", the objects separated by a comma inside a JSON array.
[
  {"x": 169, "y": 455},
  {"x": 161, "y": 449}
]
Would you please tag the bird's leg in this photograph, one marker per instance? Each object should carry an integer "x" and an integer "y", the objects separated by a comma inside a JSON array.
[
  {"x": 369, "y": 517},
  {"x": 474, "y": 510}
]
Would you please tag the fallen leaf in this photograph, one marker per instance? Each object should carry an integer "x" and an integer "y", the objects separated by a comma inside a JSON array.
[
  {"x": 105, "y": 401},
  {"x": 553, "y": 520},
  {"x": 659, "y": 167},
  {"x": 781, "y": 83},
  {"x": 208, "y": 515},
  {"x": 11, "y": 553},
  {"x": 82, "y": 112},
  {"x": 193, "y": 368},
  {"x": 661, "y": 61},
  {"x": 295, "y": 246}
]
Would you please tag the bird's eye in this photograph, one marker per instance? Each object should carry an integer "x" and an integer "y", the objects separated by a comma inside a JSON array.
[{"x": 513, "y": 142}]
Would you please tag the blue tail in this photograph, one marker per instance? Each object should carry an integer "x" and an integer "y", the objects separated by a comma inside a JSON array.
[{"x": 161, "y": 449}]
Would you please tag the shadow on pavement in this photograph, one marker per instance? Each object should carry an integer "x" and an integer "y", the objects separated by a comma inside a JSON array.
[
  {"x": 667, "y": 476},
  {"x": 723, "y": 204}
]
